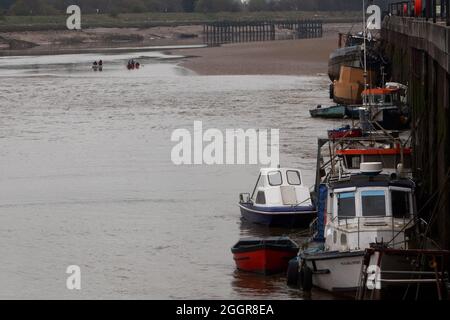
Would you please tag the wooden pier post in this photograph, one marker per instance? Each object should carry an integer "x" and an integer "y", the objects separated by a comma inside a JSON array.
[
  {"x": 434, "y": 10},
  {"x": 447, "y": 11}
]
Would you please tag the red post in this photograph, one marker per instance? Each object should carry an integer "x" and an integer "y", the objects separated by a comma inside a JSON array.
[{"x": 418, "y": 8}]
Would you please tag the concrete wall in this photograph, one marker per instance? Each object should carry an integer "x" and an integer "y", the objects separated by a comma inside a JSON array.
[{"x": 419, "y": 51}]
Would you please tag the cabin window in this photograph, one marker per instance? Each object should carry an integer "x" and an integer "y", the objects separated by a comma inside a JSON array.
[
  {"x": 261, "y": 197},
  {"x": 275, "y": 178},
  {"x": 378, "y": 98},
  {"x": 388, "y": 99},
  {"x": 401, "y": 207},
  {"x": 293, "y": 178},
  {"x": 373, "y": 203},
  {"x": 346, "y": 205},
  {"x": 353, "y": 162}
]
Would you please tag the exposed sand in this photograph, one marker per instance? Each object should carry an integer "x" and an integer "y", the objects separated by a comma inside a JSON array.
[{"x": 286, "y": 57}]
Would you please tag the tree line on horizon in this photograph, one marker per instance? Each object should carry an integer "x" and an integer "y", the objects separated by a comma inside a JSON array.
[{"x": 53, "y": 7}]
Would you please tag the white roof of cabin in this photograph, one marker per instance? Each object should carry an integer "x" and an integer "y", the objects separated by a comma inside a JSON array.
[{"x": 265, "y": 171}]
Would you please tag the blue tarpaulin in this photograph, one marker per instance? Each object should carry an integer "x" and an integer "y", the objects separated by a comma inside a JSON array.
[{"x": 321, "y": 211}]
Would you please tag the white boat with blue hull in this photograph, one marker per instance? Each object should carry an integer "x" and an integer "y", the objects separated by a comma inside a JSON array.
[{"x": 279, "y": 199}]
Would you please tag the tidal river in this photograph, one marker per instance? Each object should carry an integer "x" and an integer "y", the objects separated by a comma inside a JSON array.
[{"x": 87, "y": 177}]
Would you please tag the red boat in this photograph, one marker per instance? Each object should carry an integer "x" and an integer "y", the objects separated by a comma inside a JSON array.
[
  {"x": 345, "y": 132},
  {"x": 264, "y": 256}
]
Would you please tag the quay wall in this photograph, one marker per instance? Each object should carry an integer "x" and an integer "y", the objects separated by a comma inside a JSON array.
[{"x": 419, "y": 52}]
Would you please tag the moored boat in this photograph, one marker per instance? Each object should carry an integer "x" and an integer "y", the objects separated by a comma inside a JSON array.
[
  {"x": 264, "y": 255},
  {"x": 362, "y": 209},
  {"x": 345, "y": 132},
  {"x": 279, "y": 198},
  {"x": 348, "y": 89},
  {"x": 350, "y": 53},
  {"x": 332, "y": 112},
  {"x": 387, "y": 108}
]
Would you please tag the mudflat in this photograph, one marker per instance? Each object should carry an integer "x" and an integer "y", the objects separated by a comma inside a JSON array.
[{"x": 284, "y": 57}]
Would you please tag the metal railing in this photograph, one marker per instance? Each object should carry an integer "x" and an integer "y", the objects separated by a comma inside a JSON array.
[
  {"x": 376, "y": 221},
  {"x": 430, "y": 9}
]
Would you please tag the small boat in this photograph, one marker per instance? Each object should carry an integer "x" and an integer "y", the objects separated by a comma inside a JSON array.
[
  {"x": 345, "y": 132},
  {"x": 264, "y": 255},
  {"x": 133, "y": 65},
  {"x": 333, "y": 112},
  {"x": 387, "y": 108},
  {"x": 362, "y": 209},
  {"x": 279, "y": 199}
]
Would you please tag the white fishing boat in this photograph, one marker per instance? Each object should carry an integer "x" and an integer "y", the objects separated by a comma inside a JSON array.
[{"x": 361, "y": 209}]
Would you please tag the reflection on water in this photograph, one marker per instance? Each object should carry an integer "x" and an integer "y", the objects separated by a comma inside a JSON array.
[
  {"x": 263, "y": 287},
  {"x": 87, "y": 177}
]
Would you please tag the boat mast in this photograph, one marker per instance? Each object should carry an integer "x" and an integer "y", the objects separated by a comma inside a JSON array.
[
  {"x": 365, "y": 49},
  {"x": 364, "y": 111}
]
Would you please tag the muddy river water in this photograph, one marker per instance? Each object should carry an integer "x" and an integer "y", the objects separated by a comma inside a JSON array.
[{"x": 87, "y": 177}]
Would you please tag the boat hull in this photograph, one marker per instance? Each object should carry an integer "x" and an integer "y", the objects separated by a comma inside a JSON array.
[
  {"x": 399, "y": 274},
  {"x": 334, "y": 112},
  {"x": 300, "y": 218},
  {"x": 335, "y": 271},
  {"x": 348, "y": 133},
  {"x": 264, "y": 260},
  {"x": 347, "y": 56}
]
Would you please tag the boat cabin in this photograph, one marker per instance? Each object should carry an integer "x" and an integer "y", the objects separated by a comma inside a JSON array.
[
  {"x": 383, "y": 96},
  {"x": 394, "y": 159},
  {"x": 367, "y": 208},
  {"x": 280, "y": 187}
]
